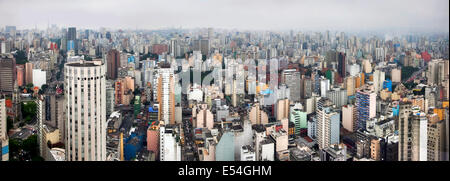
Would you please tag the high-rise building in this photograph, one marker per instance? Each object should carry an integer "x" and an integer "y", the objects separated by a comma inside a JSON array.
[
  {"x": 396, "y": 75},
  {"x": 328, "y": 122},
  {"x": 365, "y": 106},
  {"x": 204, "y": 117},
  {"x": 338, "y": 96},
  {"x": 86, "y": 111},
  {"x": 299, "y": 118},
  {"x": 342, "y": 63},
  {"x": 7, "y": 74},
  {"x": 412, "y": 134},
  {"x": 55, "y": 113},
  {"x": 378, "y": 80},
  {"x": 419, "y": 135},
  {"x": 436, "y": 139},
  {"x": 28, "y": 73},
  {"x": 170, "y": 148},
  {"x": 72, "y": 37},
  {"x": 39, "y": 77},
  {"x": 258, "y": 116},
  {"x": 404, "y": 128},
  {"x": 166, "y": 95},
  {"x": 349, "y": 117},
  {"x": 375, "y": 149},
  {"x": 282, "y": 109},
  {"x": 113, "y": 64},
  {"x": 291, "y": 78},
  {"x": 110, "y": 97},
  {"x": 4, "y": 145},
  {"x": 20, "y": 75},
  {"x": 205, "y": 47}
]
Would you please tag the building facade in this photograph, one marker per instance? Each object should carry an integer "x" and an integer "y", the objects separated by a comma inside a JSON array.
[{"x": 86, "y": 111}]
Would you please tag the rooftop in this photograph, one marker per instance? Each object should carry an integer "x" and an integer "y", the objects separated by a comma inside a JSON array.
[{"x": 83, "y": 63}]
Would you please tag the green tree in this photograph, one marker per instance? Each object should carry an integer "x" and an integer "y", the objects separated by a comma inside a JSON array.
[
  {"x": 407, "y": 71},
  {"x": 29, "y": 110},
  {"x": 20, "y": 57},
  {"x": 31, "y": 144},
  {"x": 29, "y": 86},
  {"x": 9, "y": 123}
]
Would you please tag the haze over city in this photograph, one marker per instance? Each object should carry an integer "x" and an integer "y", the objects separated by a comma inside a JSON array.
[
  {"x": 343, "y": 15},
  {"x": 224, "y": 80}
]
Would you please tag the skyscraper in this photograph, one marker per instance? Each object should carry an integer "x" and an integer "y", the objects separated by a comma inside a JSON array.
[
  {"x": 328, "y": 122},
  {"x": 436, "y": 139},
  {"x": 7, "y": 73},
  {"x": 4, "y": 145},
  {"x": 170, "y": 149},
  {"x": 404, "y": 128},
  {"x": 72, "y": 37},
  {"x": 349, "y": 117},
  {"x": 86, "y": 111},
  {"x": 20, "y": 75},
  {"x": 113, "y": 64},
  {"x": 166, "y": 94},
  {"x": 365, "y": 106},
  {"x": 412, "y": 134},
  {"x": 338, "y": 96},
  {"x": 291, "y": 78},
  {"x": 342, "y": 63}
]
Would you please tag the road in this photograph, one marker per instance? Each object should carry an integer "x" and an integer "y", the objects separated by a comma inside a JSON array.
[
  {"x": 413, "y": 76},
  {"x": 189, "y": 146}
]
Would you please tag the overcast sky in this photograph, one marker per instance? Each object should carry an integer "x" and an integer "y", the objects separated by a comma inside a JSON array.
[{"x": 344, "y": 15}]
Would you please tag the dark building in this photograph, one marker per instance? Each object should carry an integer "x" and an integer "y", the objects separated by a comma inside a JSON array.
[
  {"x": 7, "y": 74},
  {"x": 391, "y": 152},
  {"x": 86, "y": 34},
  {"x": 72, "y": 36},
  {"x": 113, "y": 64},
  {"x": 108, "y": 35},
  {"x": 341, "y": 64},
  {"x": 202, "y": 46}
]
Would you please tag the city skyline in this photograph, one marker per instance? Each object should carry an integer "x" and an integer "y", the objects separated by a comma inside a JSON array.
[{"x": 305, "y": 15}]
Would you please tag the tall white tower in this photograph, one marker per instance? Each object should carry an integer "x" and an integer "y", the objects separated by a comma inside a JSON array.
[{"x": 85, "y": 94}]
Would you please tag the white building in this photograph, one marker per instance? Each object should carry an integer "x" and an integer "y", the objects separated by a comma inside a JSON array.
[
  {"x": 354, "y": 69},
  {"x": 248, "y": 153},
  {"x": 166, "y": 95},
  {"x": 378, "y": 80},
  {"x": 39, "y": 77},
  {"x": 324, "y": 87},
  {"x": 86, "y": 111},
  {"x": 4, "y": 151},
  {"x": 267, "y": 150},
  {"x": 170, "y": 148},
  {"x": 195, "y": 94}
]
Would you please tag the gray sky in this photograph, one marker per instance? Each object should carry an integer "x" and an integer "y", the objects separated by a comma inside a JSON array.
[{"x": 345, "y": 15}]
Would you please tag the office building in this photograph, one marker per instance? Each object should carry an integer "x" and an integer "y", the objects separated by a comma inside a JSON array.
[
  {"x": 436, "y": 139},
  {"x": 7, "y": 74},
  {"x": 342, "y": 63},
  {"x": 4, "y": 141},
  {"x": 349, "y": 117},
  {"x": 299, "y": 118},
  {"x": 166, "y": 95},
  {"x": 113, "y": 64},
  {"x": 291, "y": 78},
  {"x": 328, "y": 122},
  {"x": 28, "y": 73},
  {"x": 86, "y": 111},
  {"x": 170, "y": 147},
  {"x": 72, "y": 39},
  {"x": 20, "y": 75},
  {"x": 338, "y": 96},
  {"x": 365, "y": 106}
]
